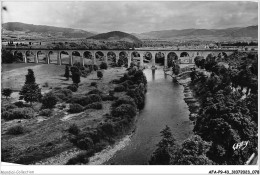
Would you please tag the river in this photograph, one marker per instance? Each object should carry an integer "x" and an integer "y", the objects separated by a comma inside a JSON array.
[{"x": 164, "y": 106}]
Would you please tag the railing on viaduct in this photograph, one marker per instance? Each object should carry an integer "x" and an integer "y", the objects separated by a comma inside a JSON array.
[{"x": 184, "y": 56}]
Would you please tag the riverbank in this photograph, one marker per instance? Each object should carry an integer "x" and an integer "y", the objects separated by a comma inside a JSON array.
[
  {"x": 46, "y": 139},
  {"x": 164, "y": 105},
  {"x": 189, "y": 97}
]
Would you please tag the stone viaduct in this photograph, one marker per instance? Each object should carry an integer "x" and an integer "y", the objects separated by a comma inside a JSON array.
[{"x": 184, "y": 56}]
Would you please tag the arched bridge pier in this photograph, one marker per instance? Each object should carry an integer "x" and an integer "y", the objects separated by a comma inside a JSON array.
[{"x": 92, "y": 56}]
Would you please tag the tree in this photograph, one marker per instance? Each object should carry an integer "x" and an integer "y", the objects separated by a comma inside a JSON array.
[
  {"x": 210, "y": 62},
  {"x": 99, "y": 74},
  {"x": 176, "y": 69},
  {"x": 67, "y": 73},
  {"x": 7, "y": 92},
  {"x": 192, "y": 152},
  {"x": 75, "y": 75},
  {"x": 7, "y": 56},
  {"x": 29, "y": 78},
  {"x": 30, "y": 92},
  {"x": 162, "y": 155}
]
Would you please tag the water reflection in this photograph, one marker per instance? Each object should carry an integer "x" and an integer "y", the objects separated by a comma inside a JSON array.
[{"x": 153, "y": 74}]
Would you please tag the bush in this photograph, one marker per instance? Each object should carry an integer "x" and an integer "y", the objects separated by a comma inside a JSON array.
[
  {"x": 124, "y": 100},
  {"x": 103, "y": 65},
  {"x": 18, "y": 113},
  {"x": 93, "y": 84},
  {"x": 7, "y": 92},
  {"x": 74, "y": 129},
  {"x": 75, "y": 108},
  {"x": 95, "y": 91},
  {"x": 81, "y": 158},
  {"x": 19, "y": 104},
  {"x": 96, "y": 105},
  {"x": 108, "y": 128},
  {"x": 138, "y": 95},
  {"x": 94, "y": 98},
  {"x": 8, "y": 107},
  {"x": 99, "y": 74},
  {"x": 100, "y": 146},
  {"x": 75, "y": 76},
  {"x": 46, "y": 112},
  {"x": 124, "y": 109},
  {"x": 132, "y": 86},
  {"x": 62, "y": 94},
  {"x": 119, "y": 88},
  {"x": 49, "y": 100},
  {"x": 125, "y": 77},
  {"x": 16, "y": 130},
  {"x": 73, "y": 87},
  {"x": 85, "y": 143},
  {"x": 111, "y": 93},
  {"x": 85, "y": 100},
  {"x": 127, "y": 83},
  {"x": 106, "y": 97},
  {"x": 95, "y": 67}
]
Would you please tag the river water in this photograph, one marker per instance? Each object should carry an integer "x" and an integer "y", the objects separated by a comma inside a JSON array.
[{"x": 164, "y": 106}]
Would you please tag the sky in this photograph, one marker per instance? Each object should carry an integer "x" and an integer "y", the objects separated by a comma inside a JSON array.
[{"x": 133, "y": 16}]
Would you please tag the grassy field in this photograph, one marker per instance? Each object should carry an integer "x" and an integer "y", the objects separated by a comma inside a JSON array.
[{"x": 47, "y": 137}]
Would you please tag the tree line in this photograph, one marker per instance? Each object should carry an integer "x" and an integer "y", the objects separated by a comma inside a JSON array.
[{"x": 227, "y": 116}]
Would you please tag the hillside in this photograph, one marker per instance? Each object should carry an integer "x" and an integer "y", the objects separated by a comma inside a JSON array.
[
  {"x": 116, "y": 36},
  {"x": 250, "y": 32},
  {"x": 41, "y": 31}
]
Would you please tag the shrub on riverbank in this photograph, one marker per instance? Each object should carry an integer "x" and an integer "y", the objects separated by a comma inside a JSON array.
[
  {"x": 18, "y": 113},
  {"x": 16, "y": 130},
  {"x": 62, "y": 94},
  {"x": 75, "y": 108},
  {"x": 124, "y": 100},
  {"x": 74, "y": 129},
  {"x": 119, "y": 88},
  {"x": 85, "y": 100},
  {"x": 124, "y": 109},
  {"x": 73, "y": 87},
  {"x": 49, "y": 100},
  {"x": 8, "y": 107},
  {"x": 96, "y": 105},
  {"x": 45, "y": 112},
  {"x": 95, "y": 91},
  {"x": 107, "y": 97}
]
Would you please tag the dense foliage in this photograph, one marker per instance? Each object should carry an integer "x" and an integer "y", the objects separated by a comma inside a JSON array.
[
  {"x": 162, "y": 155},
  {"x": 228, "y": 115},
  {"x": 7, "y": 92}
]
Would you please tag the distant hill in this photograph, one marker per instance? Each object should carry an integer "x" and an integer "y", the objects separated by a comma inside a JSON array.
[
  {"x": 238, "y": 32},
  {"x": 42, "y": 30},
  {"x": 116, "y": 36}
]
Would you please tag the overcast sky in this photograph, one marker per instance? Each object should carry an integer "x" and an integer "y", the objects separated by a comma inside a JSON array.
[{"x": 134, "y": 16}]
